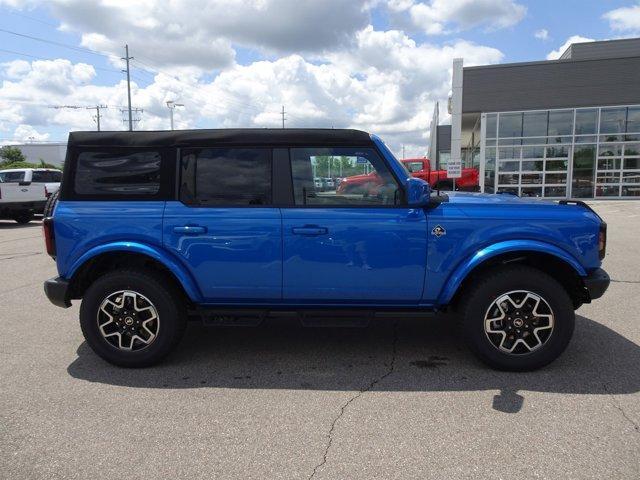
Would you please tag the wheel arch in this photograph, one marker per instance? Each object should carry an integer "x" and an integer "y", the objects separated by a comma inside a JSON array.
[
  {"x": 540, "y": 255},
  {"x": 105, "y": 258}
]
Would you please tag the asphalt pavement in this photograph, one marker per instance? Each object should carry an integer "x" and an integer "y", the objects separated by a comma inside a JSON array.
[{"x": 399, "y": 399}]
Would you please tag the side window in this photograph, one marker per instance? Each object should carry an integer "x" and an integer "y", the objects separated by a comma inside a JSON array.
[
  {"x": 11, "y": 177},
  {"x": 118, "y": 173},
  {"x": 414, "y": 166},
  {"x": 56, "y": 176},
  {"x": 226, "y": 176},
  {"x": 342, "y": 177}
]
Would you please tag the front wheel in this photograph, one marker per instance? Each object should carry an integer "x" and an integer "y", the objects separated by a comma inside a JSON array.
[
  {"x": 132, "y": 318},
  {"x": 517, "y": 318}
]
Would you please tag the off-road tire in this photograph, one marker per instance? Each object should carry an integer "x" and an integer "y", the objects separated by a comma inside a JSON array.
[
  {"x": 477, "y": 300},
  {"x": 167, "y": 301},
  {"x": 51, "y": 204}
]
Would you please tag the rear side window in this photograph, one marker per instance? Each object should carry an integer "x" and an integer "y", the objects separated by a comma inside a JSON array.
[
  {"x": 11, "y": 177},
  {"x": 46, "y": 176},
  {"x": 226, "y": 176},
  {"x": 124, "y": 173}
]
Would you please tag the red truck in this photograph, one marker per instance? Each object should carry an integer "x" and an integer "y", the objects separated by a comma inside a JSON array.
[{"x": 418, "y": 167}]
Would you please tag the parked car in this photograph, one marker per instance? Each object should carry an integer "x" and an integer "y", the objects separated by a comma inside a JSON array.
[
  {"x": 419, "y": 168},
  {"x": 242, "y": 235},
  {"x": 24, "y": 191}
]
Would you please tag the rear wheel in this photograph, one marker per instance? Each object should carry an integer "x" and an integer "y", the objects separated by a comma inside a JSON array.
[
  {"x": 51, "y": 204},
  {"x": 23, "y": 217},
  {"x": 132, "y": 318},
  {"x": 517, "y": 318}
]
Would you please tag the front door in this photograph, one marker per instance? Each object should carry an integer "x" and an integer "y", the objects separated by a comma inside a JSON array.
[
  {"x": 352, "y": 242},
  {"x": 224, "y": 228}
]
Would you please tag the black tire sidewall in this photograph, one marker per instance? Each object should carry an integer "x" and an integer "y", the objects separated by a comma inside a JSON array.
[
  {"x": 23, "y": 218},
  {"x": 499, "y": 283},
  {"x": 170, "y": 312}
]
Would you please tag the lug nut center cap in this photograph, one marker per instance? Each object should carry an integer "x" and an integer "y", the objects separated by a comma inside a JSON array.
[
  {"x": 128, "y": 321},
  {"x": 518, "y": 322}
]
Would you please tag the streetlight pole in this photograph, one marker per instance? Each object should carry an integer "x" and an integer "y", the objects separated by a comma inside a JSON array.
[{"x": 171, "y": 105}]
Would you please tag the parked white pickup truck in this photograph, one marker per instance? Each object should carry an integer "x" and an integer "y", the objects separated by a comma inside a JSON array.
[{"x": 24, "y": 192}]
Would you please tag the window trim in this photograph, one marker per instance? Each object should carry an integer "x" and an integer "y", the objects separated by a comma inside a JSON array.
[
  {"x": 401, "y": 186},
  {"x": 178, "y": 169}
]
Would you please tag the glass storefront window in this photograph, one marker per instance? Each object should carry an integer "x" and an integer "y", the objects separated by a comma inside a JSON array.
[
  {"x": 532, "y": 165},
  {"x": 610, "y": 150},
  {"x": 534, "y": 124},
  {"x": 632, "y": 149},
  {"x": 584, "y": 158},
  {"x": 558, "y": 152},
  {"x": 533, "y": 152},
  {"x": 510, "y": 125},
  {"x": 612, "y": 120},
  {"x": 632, "y": 163},
  {"x": 557, "y": 165},
  {"x": 555, "y": 178},
  {"x": 582, "y": 153},
  {"x": 586, "y": 121},
  {"x": 560, "y": 123},
  {"x": 609, "y": 163},
  {"x": 633, "y": 120},
  {"x": 492, "y": 120},
  {"x": 555, "y": 192}
]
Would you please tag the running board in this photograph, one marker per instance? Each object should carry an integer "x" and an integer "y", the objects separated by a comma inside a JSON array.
[{"x": 309, "y": 317}]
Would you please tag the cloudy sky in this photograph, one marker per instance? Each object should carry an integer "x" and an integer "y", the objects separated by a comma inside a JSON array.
[{"x": 370, "y": 64}]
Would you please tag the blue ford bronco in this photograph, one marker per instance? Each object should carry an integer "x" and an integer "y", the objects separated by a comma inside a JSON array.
[{"x": 152, "y": 229}]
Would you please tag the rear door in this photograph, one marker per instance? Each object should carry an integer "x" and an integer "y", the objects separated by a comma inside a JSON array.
[
  {"x": 356, "y": 247},
  {"x": 224, "y": 226}
]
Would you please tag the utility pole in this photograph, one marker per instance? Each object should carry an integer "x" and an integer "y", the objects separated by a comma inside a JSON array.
[
  {"x": 283, "y": 119},
  {"x": 127, "y": 58},
  {"x": 131, "y": 120},
  {"x": 403, "y": 152},
  {"x": 97, "y": 117},
  {"x": 171, "y": 105}
]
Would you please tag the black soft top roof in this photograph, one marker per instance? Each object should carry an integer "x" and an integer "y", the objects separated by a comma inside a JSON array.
[{"x": 238, "y": 136}]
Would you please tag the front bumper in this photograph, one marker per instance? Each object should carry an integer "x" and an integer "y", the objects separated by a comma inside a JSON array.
[
  {"x": 597, "y": 283},
  {"x": 57, "y": 291}
]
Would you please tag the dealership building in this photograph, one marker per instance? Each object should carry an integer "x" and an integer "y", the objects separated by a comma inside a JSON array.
[{"x": 559, "y": 128}]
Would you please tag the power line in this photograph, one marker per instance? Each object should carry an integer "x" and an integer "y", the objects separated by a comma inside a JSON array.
[
  {"x": 59, "y": 44},
  {"x": 13, "y": 52},
  {"x": 32, "y": 18}
]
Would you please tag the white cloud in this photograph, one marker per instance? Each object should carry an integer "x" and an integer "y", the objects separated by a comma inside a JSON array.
[
  {"x": 443, "y": 16},
  {"x": 26, "y": 133},
  {"x": 384, "y": 82},
  {"x": 555, "y": 54},
  {"x": 542, "y": 34},
  {"x": 625, "y": 19}
]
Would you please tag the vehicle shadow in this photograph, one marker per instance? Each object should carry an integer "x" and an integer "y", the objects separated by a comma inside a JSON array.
[
  {"x": 422, "y": 356},
  {"x": 11, "y": 225}
]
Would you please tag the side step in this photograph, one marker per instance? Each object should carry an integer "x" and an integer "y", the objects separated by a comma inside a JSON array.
[{"x": 311, "y": 317}]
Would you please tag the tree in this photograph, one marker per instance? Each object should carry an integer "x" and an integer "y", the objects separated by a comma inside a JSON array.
[{"x": 10, "y": 155}]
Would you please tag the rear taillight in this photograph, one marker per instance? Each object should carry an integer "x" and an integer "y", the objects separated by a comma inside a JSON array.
[
  {"x": 49, "y": 237},
  {"x": 46, "y": 192},
  {"x": 602, "y": 240}
]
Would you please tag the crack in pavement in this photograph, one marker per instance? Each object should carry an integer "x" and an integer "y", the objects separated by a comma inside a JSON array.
[
  {"x": 362, "y": 391},
  {"x": 617, "y": 405},
  {"x": 625, "y": 281},
  {"x": 19, "y": 255}
]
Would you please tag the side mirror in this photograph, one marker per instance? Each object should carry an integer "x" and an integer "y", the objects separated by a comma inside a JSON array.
[
  {"x": 24, "y": 184},
  {"x": 418, "y": 192}
]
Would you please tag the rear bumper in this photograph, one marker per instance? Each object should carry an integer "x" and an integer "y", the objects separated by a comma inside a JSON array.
[
  {"x": 57, "y": 291},
  {"x": 18, "y": 207},
  {"x": 597, "y": 283}
]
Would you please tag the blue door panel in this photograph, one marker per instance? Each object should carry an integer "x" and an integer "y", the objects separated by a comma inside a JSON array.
[
  {"x": 354, "y": 255},
  {"x": 233, "y": 253}
]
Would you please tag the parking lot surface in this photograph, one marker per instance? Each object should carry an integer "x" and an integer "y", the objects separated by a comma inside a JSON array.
[{"x": 399, "y": 399}]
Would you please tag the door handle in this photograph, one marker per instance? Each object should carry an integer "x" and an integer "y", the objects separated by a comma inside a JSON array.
[
  {"x": 310, "y": 230},
  {"x": 190, "y": 230}
]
